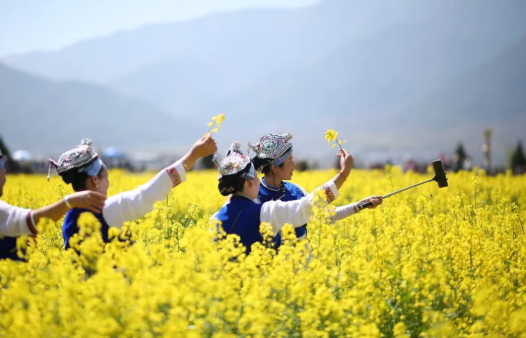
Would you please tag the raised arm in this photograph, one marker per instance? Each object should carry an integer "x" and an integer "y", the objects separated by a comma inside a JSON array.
[
  {"x": 298, "y": 212},
  {"x": 90, "y": 200},
  {"x": 16, "y": 221},
  {"x": 352, "y": 208},
  {"x": 132, "y": 204},
  {"x": 346, "y": 165}
]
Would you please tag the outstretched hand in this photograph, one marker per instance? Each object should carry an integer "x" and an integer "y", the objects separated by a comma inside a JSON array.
[
  {"x": 346, "y": 161},
  {"x": 346, "y": 164},
  {"x": 375, "y": 201},
  {"x": 90, "y": 200},
  {"x": 205, "y": 146}
]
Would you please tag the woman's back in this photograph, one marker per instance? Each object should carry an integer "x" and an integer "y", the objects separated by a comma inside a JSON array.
[
  {"x": 70, "y": 225},
  {"x": 241, "y": 216}
]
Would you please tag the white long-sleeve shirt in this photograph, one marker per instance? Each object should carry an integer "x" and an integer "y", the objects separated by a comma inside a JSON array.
[
  {"x": 15, "y": 221},
  {"x": 297, "y": 213},
  {"x": 345, "y": 211},
  {"x": 118, "y": 209},
  {"x": 132, "y": 204}
]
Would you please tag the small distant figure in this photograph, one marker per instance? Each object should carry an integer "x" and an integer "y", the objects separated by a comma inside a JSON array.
[
  {"x": 518, "y": 160},
  {"x": 468, "y": 164},
  {"x": 410, "y": 164},
  {"x": 458, "y": 158},
  {"x": 442, "y": 157}
]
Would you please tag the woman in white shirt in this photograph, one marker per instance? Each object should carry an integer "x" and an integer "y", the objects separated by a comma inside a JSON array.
[
  {"x": 275, "y": 160},
  {"x": 83, "y": 169},
  {"x": 15, "y": 221},
  {"x": 244, "y": 212}
]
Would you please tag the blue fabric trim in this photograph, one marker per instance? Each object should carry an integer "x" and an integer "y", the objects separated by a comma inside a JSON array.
[
  {"x": 251, "y": 172},
  {"x": 93, "y": 168},
  {"x": 282, "y": 158}
]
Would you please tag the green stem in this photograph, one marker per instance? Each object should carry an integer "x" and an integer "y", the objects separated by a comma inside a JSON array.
[{"x": 339, "y": 145}]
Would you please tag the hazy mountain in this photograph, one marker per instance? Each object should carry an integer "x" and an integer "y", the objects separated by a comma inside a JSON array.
[
  {"x": 235, "y": 35},
  {"x": 257, "y": 41},
  {"x": 48, "y": 117},
  {"x": 369, "y": 68},
  {"x": 490, "y": 96}
]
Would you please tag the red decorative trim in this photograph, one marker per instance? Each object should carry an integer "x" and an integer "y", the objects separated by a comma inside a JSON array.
[
  {"x": 174, "y": 175},
  {"x": 329, "y": 193},
  {"x": 30, "y": 225}
]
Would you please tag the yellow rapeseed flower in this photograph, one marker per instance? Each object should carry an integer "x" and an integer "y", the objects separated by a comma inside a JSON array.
[
  {"x": 218, "y": 120},
  {"x": 447, "y": 266},
  {"x": 332, "y": 136}
]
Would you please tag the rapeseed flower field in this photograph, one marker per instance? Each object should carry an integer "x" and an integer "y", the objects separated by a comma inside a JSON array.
[{"x": 428, "y": 262}]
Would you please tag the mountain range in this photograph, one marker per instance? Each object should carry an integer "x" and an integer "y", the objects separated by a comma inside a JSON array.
[
  {"x": 48, "y": 117},
  {"x": 392, "y": 77}
]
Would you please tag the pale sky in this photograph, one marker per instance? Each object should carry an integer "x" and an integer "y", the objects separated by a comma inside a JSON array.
[{"x": 30, "y": 25}]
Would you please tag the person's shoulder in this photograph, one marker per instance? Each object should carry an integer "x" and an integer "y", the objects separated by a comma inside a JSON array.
[
  {"x": 294, "y": 188},
  {"x": 70, "y": 220},
  {"x": 8, "y": 207},
  {"x": 263, "y": 192},
  {"x": 73, "y": 214},
  {"x": 237, "y": 202},
  {"x": 245, "y": 203},
  {"x": 236, "y": 205}
]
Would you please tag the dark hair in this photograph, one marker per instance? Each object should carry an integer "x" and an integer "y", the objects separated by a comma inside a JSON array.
[
  {"x": 230, "y": 184},
  {"x": 262, "y": 163},
  {"x": 266, "y": 169},
  {"x": 265, "y": 163},
  {"x": 78, "y": 179}
]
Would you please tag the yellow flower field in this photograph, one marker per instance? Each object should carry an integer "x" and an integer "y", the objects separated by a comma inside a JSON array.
[{"x": 428, "y": 262}]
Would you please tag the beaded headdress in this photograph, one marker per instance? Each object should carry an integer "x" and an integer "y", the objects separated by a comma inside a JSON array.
[
  {"x": 235, "y": 161},
  {"x": 78, "y": 157},
  {"x": 272, "y": 147}
]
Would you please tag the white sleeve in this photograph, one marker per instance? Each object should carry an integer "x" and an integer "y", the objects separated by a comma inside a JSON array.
[
  {"x": 298, "y": 212},
  {"x": 15, "y": 221},
  {"x": 132, "y": 204},
  {"x": 346, "y": 211}
]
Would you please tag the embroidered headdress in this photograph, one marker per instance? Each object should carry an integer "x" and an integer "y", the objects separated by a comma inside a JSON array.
[
  {"x": 272, "y": 148},
  {"x": 233, "y": 170},
  {"x": 82, "y": 158}
]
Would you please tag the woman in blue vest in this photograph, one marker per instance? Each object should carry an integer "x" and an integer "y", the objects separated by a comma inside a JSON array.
[
  {"x": 243, "y": 213},
  {"x": 274, "y": 159},
  {"x": 15, "y": 222},
  {"x": 83, "y": 169}
]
